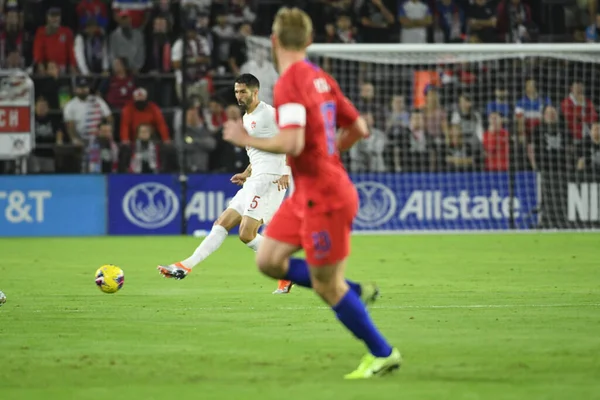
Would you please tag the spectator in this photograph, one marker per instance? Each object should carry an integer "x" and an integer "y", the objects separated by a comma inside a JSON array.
[
  {"x": 397, "y": 116},
  {"x": 226, "y": 157},
  {"x": 224, "y": 34},
  {"x": 342, "y": 32},
  {"x": 529, "y": 108},
  {"x": 589, "y": 155},
  {"x": 578, "y": 111},
  {"x": 514, "y": 21},
  {"x": 450, "y": 21},
  {"x": 9, "y": 6},
  {"x": 367, "y": 155},
  {"x": 54, "y": 43},
  {"x": 500, "y": 104},
  {"x": 239, "y": 51},
  {"x": 260, "y": 66},
  {"x": 170, "y": 11},
  {"x": 13, "y": 60},
  {"x": 592, "y": 32},
  {"x": 48, "y": 132},
  {"x": 91, "y": 50},
  {"x": 145, "y": 156},
  {"x": 194, "y": 142},
  {"x": 158, "y": 61},
  {"x": 195, "y": 7},
  {"x": 203, "y": 28},
  {"x": 460, "y": 154},
  {"x": 159, "y": 47},
  {"x": 82, "y": 114},
  {"x": 368, "y": 104},
  {"x": 138, "y": 11},
  {"x": 54, "y": 87},
  {"x": 415, "y": 18},
  {"x": 240, "y": 13},
  {"x": 95, "y": 10},
  {"x": 140, "y": 111},
  {"x": 376, "y": 21},
  {"x": 104, "y": 153},
  {"x": 14, "y": 39},
  {"x": 548, "y": 149},
  {"x": 482, "y": 21},
  {"x": 410, "y": 148},
  {"x": 496, "y": 144},
  {"x": 470, "y": 121},
  {"x": 198, "y": 63},
  {"x": 128, "y": 42},
  {"x": 117, "y": 89},
  {"x": 435, "y": 117},
  {"x": 215, "y": 116}
]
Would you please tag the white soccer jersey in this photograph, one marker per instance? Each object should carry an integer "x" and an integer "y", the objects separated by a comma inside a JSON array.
[{"x": 261, "y": 123}]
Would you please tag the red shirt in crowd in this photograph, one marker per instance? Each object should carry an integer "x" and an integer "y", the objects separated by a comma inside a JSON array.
[
  {"x": 578, "y": 115},
  {"x": 57, "y": 47},
  {"x": 496, "y": 148},
  {"x": 119, "y": 91},
  {"x": 131, "y": 118}
]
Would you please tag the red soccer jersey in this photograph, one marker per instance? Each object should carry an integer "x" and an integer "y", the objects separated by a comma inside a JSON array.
[{"x": 306, "y": 96}]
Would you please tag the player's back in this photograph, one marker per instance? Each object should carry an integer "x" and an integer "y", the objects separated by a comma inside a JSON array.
[{"x": 321, "y": 182}]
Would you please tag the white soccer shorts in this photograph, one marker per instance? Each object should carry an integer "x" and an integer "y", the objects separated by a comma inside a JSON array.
[{"x": 258, "y": 198}]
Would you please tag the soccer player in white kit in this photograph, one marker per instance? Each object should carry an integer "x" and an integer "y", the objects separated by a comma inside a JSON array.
[{"x": 264, "y": 184}]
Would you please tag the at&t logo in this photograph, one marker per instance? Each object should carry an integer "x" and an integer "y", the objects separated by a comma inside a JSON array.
[
  {"x": 150, "y": 205},
  {"x": 377, "y": 204}
]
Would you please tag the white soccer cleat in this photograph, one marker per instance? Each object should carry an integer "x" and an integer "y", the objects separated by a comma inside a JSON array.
[
  {"x": 177, "y": 271},
  {"x": 284, "y": 287}
]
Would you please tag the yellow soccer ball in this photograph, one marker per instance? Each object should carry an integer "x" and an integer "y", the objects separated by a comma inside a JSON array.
[{"x": 110, "y": 278}]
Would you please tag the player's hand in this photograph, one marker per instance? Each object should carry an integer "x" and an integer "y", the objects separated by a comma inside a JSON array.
[
  {"x": 283, "y": 183},
  {"x": 239, "y": 179},
  {"x": 235, "y": 133}
]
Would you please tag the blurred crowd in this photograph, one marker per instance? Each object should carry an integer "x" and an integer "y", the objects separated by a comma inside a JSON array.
[{"x": 145, "y": 86}]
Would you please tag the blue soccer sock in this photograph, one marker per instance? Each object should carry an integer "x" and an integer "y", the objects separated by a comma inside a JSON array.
[
  {"x": 352, "y": 313},
  {"x": 299, "y": 274}
]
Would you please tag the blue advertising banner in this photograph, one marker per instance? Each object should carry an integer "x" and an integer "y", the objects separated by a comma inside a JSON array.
[
  {"x": 149, "y": 204},
  {"x": 52, "y": 205},
  {"x": 208, "y": 197},
  {"x": 445, "y": 201},
  {"x": 143, "y": 205}
]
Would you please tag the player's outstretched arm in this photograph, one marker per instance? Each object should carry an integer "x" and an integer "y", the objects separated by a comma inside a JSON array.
[
  {"x": 287, "y": 141},
  {"x": 350, "y": 135},
  {"x": 240, "y": 178}
]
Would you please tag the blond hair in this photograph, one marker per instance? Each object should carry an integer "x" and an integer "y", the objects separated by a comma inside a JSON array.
[{"x": 293, "y": 28}]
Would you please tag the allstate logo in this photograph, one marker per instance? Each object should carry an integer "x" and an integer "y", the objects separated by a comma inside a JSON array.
[
  {"x": 150, "y": 205},
  {"x": 377, "y": 204}
]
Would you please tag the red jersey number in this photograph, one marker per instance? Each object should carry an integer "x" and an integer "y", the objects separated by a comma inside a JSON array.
[{"x": 329, "y": 122}]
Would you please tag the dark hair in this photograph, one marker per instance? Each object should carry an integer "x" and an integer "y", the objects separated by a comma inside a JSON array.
[{"x": 249, "y": 80}]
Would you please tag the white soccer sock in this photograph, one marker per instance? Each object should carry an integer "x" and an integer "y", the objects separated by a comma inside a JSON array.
[
  {"x": 209, "y": 245},
  {"x": 254, "y": 243}
]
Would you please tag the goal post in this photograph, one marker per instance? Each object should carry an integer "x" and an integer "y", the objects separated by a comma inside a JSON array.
[{"x": 470, "y": 137}]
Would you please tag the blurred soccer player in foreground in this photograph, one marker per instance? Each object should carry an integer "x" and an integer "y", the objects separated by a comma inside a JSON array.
[{"x": 318, "y": 216}]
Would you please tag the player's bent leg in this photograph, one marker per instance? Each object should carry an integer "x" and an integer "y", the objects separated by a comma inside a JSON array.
[
  {"x": 272, "y": 257},
  {"x": 226, "y": 221},
  {"x": 330, "y": 285},
  {"x": 249, "y": 231}
]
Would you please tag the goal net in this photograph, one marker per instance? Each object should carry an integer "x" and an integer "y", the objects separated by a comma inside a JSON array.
[{"x": 470, "y": 137}]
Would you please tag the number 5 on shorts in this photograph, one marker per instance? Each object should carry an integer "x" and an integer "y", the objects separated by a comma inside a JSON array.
[{"x": 254, "y": 202}]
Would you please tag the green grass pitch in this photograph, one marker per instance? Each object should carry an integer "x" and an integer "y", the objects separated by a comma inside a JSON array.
[{"x": 476, "y": 317}]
